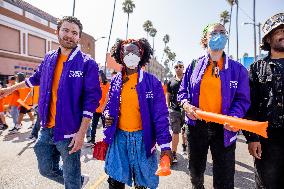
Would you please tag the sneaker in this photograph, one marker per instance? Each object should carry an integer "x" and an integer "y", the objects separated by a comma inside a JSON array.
[
  {"x": 3, "y": 127},
  {"x": 14, "y": 129},
  {"x": 175, "y": 157},
  {"x": 85, "y": 179},
  {"x": 184, "y": 147}
]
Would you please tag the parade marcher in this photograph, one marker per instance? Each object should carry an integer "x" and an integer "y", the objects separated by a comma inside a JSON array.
[
  {"x": 13, "y": 104},
  {"x": 176, "y": 114},
  {"x": 25, "y": 94},
  {"x": 3, "y": 124},
  {"x": 104, "y": 84},
  {"x": 267, "y": 99},
  {"x": 214, "y": 83},
  {"x": 69, "y": 95},
  {"x": 136, "y": 118}
]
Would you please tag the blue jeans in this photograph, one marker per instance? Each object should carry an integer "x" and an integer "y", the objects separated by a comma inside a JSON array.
[
  {"x": 36, "y": 127},
  {"x": 48, "y": 155},
  {"x": 15, "y": 114}
]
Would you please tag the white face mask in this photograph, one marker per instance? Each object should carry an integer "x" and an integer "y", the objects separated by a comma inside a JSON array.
[{"x": 131, "y": 60}]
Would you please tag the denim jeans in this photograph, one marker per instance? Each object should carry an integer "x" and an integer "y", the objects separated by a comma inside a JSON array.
[
  {"x": 270, "y": 168},
  {"x": 15, "y": 114},
  {"x": 48, "y": 155},
  {"x": 36, "y": 127},
  {"x": 200, "y": 138}
]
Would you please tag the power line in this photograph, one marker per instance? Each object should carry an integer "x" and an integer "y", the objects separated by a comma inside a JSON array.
[{"x": 242, "y": 10}]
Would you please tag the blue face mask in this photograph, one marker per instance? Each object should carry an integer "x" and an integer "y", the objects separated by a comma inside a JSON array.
[{"x": 217, "y": 42}]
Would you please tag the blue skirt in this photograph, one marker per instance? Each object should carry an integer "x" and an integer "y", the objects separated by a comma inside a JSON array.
[{"x": 126, "y": 160}]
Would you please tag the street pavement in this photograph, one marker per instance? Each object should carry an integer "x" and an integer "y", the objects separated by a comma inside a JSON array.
[{"x": 18, "y": 165}]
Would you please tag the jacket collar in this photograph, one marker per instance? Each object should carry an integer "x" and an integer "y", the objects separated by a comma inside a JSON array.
[
  {"x": 226, "y": 60},
  {"x": 73, "y": 53}
]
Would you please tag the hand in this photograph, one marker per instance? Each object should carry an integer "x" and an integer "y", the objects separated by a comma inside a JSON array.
[
  {"x": 168, "y": 153},
  {"x": 108, "y": 121},
  {"x": 77, "y": 142},
  {"x": 5, "y": 92},
  {"x": 190, "y": 111},
  {"x": 230, "y": 128},
  {"x": 255, "y": 149}
]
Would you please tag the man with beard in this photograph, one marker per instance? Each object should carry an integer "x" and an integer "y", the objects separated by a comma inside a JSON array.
[
  {"x": 267, "y": 99},
  {"x": 69, "y": 95}
]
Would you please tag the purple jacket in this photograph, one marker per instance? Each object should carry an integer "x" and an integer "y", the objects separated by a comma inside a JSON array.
[
  {"x": 234, "y": 90},
  {"x": 78, "y": 92},
  {"x": 153, "y": 110}
]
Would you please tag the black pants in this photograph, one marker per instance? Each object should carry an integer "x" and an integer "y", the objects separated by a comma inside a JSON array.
[
  {"x": 95, "y": 122},
  {"x": 270, "y": 168},
  {"x": 200, "y": 138}
]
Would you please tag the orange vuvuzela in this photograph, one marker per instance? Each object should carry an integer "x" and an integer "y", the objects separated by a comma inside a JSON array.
[
  {"x": 164, "y": 168},
  {"x": 244, "y": 124}
]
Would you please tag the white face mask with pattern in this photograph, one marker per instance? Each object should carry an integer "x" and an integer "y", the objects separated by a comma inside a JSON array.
[{"x": 131, "y": 60}]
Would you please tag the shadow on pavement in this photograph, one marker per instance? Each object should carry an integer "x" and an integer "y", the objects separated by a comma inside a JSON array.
[
  {"x": 242, "y": 179},
  {"x": 26, "y": 147},
  {"x": 20, "y": 137},
  {"x": 182, "y": 164}
]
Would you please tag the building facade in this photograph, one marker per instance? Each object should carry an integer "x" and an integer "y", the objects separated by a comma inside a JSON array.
[
  {"x": 155, "y": 68},
  {"x": 27, "y": 34}
]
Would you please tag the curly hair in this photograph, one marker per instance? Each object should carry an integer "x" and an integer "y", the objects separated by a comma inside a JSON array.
[
  {"x": 145, "y": 50},
  {"x": 70, "y": 19},
  {"x": 203, "y": 40}
]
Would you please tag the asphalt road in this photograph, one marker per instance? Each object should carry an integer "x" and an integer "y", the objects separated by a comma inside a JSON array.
[{"x": 18, "y": 166}]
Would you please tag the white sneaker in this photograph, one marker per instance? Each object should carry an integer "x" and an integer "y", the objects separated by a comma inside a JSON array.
[{"x": 86, "y": 179}]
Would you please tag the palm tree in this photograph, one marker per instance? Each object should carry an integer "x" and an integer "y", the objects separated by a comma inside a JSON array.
[
  {"x": 166, "y": 40},
  {"x": 231, "y": 3},
  {"x": 153, "y": 33},
  {"x": 224, "y": 17},
  {"x": 127, "y": 7},
  {"x": 147, "y": 26}
]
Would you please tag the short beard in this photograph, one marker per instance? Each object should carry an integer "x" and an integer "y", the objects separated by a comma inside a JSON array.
[
  {"x": 278, "y": 48},
  {"x": 62, "y": 44}
]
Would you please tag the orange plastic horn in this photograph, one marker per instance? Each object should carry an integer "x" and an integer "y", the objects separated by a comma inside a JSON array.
[
  {"x": 22, "y": 103},
  {"x": 164, "y": 167},
  {"x": 244, "y": 124}
]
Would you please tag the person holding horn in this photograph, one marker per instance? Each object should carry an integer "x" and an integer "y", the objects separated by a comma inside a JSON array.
[
  {"x": 136, "y": 118},
  {"x": 213, "y": 83}
]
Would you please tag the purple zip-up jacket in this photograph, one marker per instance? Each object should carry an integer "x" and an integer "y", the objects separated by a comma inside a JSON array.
[
  {"x": 234, "y": 90},
  {"x": 153, "y": 110},
  {"x": 78, "y": 93}
]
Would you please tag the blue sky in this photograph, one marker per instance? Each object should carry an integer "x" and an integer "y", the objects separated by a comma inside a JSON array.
[{"x": 183, "y": 20}]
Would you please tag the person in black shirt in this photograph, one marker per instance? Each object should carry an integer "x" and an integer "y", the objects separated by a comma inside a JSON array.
[
  {"x": 267, "y": 99},
  {"x": 176, "y": 116}
]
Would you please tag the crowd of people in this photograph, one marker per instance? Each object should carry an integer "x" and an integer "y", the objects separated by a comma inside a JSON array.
[{"x": 138, "y": 112}]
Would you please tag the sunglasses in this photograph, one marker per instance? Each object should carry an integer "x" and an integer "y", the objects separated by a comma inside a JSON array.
[{"x": 178, "y": 66}]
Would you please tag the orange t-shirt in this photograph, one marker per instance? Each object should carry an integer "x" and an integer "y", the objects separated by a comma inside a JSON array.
[
  {"x": 13, "y": 98},
  {"x": 130, "y": 117},
  {"x": 35, "y": 95},
  {"x": 56, "y": 77},
  {"x": 24, "y": 93},
  {"x": 1, "y": 105},
  {"x": 165, "y": 89},
  {"x": 210, "y": 98},
  {"x": 105, "y": 89}
]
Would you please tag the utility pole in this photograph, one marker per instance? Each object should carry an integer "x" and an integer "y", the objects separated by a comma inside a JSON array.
[
  {"x": 259, "y": 39},
  {"x": 73, "y": 13},
  {"x": 254, "y": 30}
]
